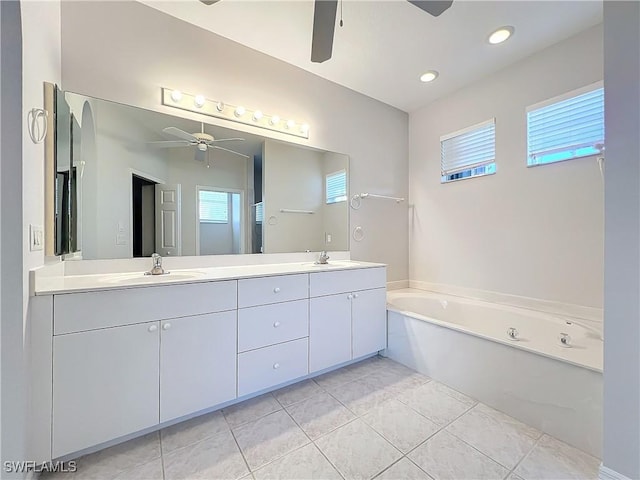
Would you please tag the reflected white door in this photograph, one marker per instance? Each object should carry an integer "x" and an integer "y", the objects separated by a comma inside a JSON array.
[{"x": 168, "y": 220}]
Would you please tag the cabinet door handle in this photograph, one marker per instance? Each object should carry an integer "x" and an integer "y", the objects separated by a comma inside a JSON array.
[
  {"x": 276, "y": 290},
  {"x": 166, "y": 326},
  {"x": 276, "y": 324},
  {"x": 355, "y": 295},
  {"x": 350, "y": 296},
  {"x": 276, "y": 366},
  {"x": 152, "y": 328}
]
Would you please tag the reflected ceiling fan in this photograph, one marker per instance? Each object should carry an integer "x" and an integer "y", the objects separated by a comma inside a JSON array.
[
  {"x": 324, "y": 22},
  {"x": 202, "y": 141}
]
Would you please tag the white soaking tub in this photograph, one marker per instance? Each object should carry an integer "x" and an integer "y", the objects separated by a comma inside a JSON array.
[{"x": 549, "y": 376}]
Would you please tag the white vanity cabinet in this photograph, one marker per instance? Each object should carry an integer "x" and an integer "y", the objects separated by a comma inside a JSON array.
[
  {"x": 347, "y": 316},
  {"x": 105, "y": 385}
]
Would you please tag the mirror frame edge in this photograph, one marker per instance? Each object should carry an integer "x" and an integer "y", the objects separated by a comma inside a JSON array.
[{"x": 49, "y": 172}]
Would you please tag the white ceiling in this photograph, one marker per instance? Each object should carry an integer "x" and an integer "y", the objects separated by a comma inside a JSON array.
[{"x": 385, "y": 46}]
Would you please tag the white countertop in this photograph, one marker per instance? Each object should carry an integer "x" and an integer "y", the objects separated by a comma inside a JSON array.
[{"x": 59, "y": 284}]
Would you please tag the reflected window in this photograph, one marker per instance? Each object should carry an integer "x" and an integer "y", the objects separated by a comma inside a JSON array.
[
  {"x": 213, "y": 206},
  {"x": 336, "y": 187}
]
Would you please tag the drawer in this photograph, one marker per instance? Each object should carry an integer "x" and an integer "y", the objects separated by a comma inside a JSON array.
[
  {"x": 270, "y": 366},
  {"x": 75, "y": 312},
  {"x": 270, "y": 324},
  {"x": 340, "y": 281},
  {"x": 263, "y": 290}
]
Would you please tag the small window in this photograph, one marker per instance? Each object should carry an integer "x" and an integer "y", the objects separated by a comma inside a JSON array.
[
  {"x": 259, "y": 212},
  {"x": 468, "y": 153},
  {"x": 566, "y": 128},
  {"x": 336, "y": 187},
  {"x": 214, "y": 206}
]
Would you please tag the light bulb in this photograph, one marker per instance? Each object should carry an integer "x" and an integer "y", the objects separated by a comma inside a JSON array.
[
  {"x": 176, "y": 96},
  {"x": 429, "y": 76},
  {"x": 501, "y": 35},
  {"x": 220, "y": 106},
  {"x": 257, "y": 115},
  {"x": 290, "y": 124},
  {"x": 304, "y": 128},
  {"x": 199, "y": 101},
  {"x": 274, "y": 120},
  {"x": 239, "y": 111}
]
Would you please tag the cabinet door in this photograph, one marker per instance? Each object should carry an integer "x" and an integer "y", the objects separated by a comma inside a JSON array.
[
  {"x": 105, "y": 385},
  {"x": 197, "y": 363},
  {"x": 369, "y": 317},
  {"x": 329, "y": 331}
]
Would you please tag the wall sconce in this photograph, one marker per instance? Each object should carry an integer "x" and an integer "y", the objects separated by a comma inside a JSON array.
[{"x": 234, "y": 113}]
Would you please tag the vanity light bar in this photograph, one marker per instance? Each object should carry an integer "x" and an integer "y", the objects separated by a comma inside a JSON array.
[{"x": 235, "y": 113}]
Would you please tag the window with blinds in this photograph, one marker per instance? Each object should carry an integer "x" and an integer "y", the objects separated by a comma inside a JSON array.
[
  {"x": 336, "y": 187},
  {"x": 213, "y": 206},
  {"x": 468, "y": 153},
  {"x": 259, "y": 212},
  {"x": 568, "y": 127}
]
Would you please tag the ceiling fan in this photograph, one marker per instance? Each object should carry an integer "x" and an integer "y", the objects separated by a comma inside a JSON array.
[
  {"x": 201, "y": 140},
  {"x": 324, "y": 22}
]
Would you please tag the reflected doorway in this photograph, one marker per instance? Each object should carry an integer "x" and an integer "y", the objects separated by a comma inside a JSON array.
[{"x": 144, "y": 216}]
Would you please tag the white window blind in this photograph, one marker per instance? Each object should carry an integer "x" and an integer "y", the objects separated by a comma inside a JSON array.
[
  {"x": 336, "y": 187},
  {"x": 566, "y": 129},
  {"x": 468, "y": 150},
  {"x": 214, "y": 206},
  {"x": 259, "y": 212}
]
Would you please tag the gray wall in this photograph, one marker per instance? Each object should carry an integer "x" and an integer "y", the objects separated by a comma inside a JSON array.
[
  {"x": 622, "y": 239},
  {"x": 534, "y": 232},
  {"x": 12, "y": 358},
  {"x": 125, "y": 51}
]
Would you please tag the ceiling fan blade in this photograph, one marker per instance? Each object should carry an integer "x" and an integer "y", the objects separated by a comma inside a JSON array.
[
  {"x": 209, "y": 2},
  {"x": 433, "y": 7},
  {"x": 201, "y": 156},
  {"x": 230, "y": 151},
  {"x": 176, "y": 132},
  {"x": 324, "y": 25},
  {"x": 169, "y": 144},
  {"x": 227, "y": 140}
]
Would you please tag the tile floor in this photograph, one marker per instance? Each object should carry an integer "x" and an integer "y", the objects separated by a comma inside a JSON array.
[{"x": 374, "y": 419}]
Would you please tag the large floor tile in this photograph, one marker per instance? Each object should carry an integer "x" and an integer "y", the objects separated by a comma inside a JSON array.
[
  {"x": 320, "y": 414},
  {"x": 552, "y": 459},
  {"x": 214, "y": 457},
  {"x": 148, "y": 471},
  {"x": 306, "y": 463},
  {"x": 360, "y": 396},
  {"x": 268, "y": 438},
  {"x": 367, "y": 366},
  {"x": 432, "y": 401},
  {"x": 499, "y": 436},
  {"x": 338, "y": 377},
  {"x": 446, "y": 457},
  {"x": 297, "y": 392},
  {"x": 405, "y": 469},
  {"x": 397, "y": 380},
  {"x": 192, "y": 431},
  {"x": 119, "y": 458},
  {"x": 400, "y": 425},
  {"x": 357, "y": 451},
  {"x": 251, "y": 410}
]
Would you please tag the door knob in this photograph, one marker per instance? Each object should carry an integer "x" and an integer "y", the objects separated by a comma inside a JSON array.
[
  {"x": 276, "y": 366},
  {"x": 276, "y": 324},
  {"x": 350, "y": 296},
  {"x": 355, "y": 295},
  {"x": 166, "y": 326},
  {"x": 152, "y": 328},
  {"x": 276, "y": 290}
]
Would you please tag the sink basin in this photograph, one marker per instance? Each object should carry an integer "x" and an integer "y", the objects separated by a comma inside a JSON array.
[
  {"x": 138, "y": 278},
  {"x": 330, "y": 265}
]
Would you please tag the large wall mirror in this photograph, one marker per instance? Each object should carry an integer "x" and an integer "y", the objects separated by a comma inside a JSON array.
[{"x": 129, "y": 182}]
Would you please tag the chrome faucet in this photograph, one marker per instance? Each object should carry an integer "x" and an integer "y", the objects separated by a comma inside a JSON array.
[
  {"x": 157, "y": 266},
  {"x": 323, "y": 258}
]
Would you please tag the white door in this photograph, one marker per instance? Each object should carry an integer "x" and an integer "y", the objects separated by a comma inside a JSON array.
[
  {"x": 197, "y": 363},
  {"x": 168, "y": 220},
  {"x": 369, "y": 321},
  {"x": 329, "y": 331},
  {"x": 105, "y": 385}
]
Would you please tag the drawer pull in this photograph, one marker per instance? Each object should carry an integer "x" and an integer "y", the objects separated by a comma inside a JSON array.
[
  {"x": 350, "y": 296},
  {"x": 166, "y": 326},
  {"x": 276, "y": 290},
  {"x": 276, "y": 366},
  {"x": 152, "y": 328},
  {"x": 355, "y": 295},
  {"x": 276, "y": 324}
]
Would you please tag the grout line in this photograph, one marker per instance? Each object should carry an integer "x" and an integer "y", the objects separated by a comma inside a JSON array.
[
  {"x": 233, "y": 435},
  {"x": 164, "y": 475},
  {"x": 525, "y": 456}
]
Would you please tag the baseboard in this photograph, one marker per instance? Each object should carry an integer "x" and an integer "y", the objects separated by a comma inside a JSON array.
[
  {"x": 607, "y": 474},
  {"x": 398, "y": 284}
]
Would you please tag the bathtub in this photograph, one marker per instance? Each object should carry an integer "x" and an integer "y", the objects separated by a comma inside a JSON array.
[{"x": 510, "y": 358}]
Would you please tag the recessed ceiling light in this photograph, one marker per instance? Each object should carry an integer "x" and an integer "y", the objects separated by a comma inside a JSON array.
[
  {"x": 501, "y": 35},
  {"x": 429, "y": 76}
]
